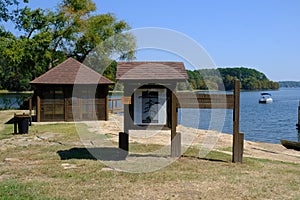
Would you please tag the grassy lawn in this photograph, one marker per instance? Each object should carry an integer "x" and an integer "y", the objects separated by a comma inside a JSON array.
[{"x": 38, "y": 171}]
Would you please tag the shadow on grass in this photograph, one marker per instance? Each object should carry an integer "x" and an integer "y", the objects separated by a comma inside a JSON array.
[
  {"x": 10, "y": 121},
  {"x": 105, "y": 154},
  {"x": 214, "y": 160},
  {"x": 206, "y": 159}
]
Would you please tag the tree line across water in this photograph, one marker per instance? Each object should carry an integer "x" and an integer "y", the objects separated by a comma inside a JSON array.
[
  {"x": 223, "y": 79},
  {"x": 289, "y": 84},
  {"x": 216, "y": 79}
]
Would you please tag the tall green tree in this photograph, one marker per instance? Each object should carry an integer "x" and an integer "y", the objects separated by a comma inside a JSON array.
[
  {"x": 6, "y": 9},
  {"x": 251, "y": 79},
  {"x": 50, "y": 36}
]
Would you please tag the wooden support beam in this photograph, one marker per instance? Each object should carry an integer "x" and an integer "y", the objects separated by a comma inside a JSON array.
[
  {"x": 176, "y": 146},
  {"x": 106, "y": 108},
  {"x": 15, "y": 124},
  {"x": 175, "y": 137},
  {"x": 30, "y": 106},
  {"x": 298, "y": 125},
  {"x": 123, "y": 141},
  {"x": 206, "y": 105},
  {"x": 124, "y": 136},
  {"x": 205, "y": 101},
  {"x": 238, "y": 148},
  {"x": 38, "y": 108},
  {"x": 66, "y": 112}
]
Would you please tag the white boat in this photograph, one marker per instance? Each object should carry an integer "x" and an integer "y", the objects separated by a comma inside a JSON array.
[{"x": 265, "y": 98}]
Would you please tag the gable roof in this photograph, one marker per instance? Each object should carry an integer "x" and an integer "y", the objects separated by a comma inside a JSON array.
[
  {"x": 71, "y": 72},
  {"x": 159, "y": 71}
]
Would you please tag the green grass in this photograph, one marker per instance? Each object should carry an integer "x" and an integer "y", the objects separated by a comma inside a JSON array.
[
  {"x": 37, "y": 171},
  {"x": 7, "y": 132},
  {"x": 187, "y": 176},
  {"x": 143, "y": 148},
  {"x": 13, "y": 189},
  {"x": 66, "y": 130}
]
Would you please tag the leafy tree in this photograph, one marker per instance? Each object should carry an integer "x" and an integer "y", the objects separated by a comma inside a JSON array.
[
  {"x": 50, "y": 36},
  {"x": 251, "y": 79},
  {"x": 5, "y": 5},
  {"x": 289, "y": 83}
]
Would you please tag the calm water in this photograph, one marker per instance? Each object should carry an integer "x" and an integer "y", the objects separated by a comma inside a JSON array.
[
  {"x": 259, "y": 122},
  {"x": 12, "y": 100}
]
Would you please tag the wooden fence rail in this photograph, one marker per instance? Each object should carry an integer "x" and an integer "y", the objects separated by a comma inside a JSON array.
[
  {"x": 115, "y": 105},
  {"x": 218, "y": 101},
  {"x": 192, "y": 100},
  {"x": 205, "y": 101}
]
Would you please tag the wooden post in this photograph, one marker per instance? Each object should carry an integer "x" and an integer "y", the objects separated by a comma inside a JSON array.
[
  {"x": 15, "y": 124},
  {"x": 38, "y": 108},
  {"x": 176, "y": 146},
  {"x": 238, "y": 147},
  {"x": 30, "y": 107},
  {"x": 123, "y": 141},
  {"x": 106, "y": 108},
  {"x": 298, "y": 125},
  {"x": 112, "y": 106},
  {"x": 80, "y": 109},
  {"x": 123, "y": 136},
  {"x": 30, "y": 111},
  {"x": 65, "y": 110},
  {"x": 175, "y": 137}
]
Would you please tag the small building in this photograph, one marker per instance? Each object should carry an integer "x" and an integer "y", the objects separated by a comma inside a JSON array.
[
  {"x": 71, "y": 91},
  {"x": 150, "y": 86},
  {"x": 149, "y": 98}
]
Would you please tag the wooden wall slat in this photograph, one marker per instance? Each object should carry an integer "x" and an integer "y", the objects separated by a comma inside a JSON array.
[
  {"x": 207, "y": 105},
  {"x": 205, "y": 101}
]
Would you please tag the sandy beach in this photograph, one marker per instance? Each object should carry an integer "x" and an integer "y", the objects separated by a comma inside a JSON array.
[{"x": 209, "y": 139}]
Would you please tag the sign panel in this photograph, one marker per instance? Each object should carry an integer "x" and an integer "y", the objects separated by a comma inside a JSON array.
[{"x": 150, "y": 107}]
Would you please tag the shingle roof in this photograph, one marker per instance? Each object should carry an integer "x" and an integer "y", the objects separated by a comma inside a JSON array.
[
  {"x": 159, "y": 71},
  {"x": 71, "y": 72}
]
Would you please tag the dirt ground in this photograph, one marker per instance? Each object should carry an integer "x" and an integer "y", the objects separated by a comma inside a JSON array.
[
  {"x": 211, "y": 140},
  {"x": 205, "y": 139}
]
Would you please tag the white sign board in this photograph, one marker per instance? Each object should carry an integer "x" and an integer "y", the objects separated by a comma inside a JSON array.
[{"x": 150, "y": 107}]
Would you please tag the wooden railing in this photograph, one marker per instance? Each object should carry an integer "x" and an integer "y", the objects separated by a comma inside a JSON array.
[
  {"x": 219, "y": 101},
  {"x": 205, "y": 101},
  {"x": 115, "y": 105}
]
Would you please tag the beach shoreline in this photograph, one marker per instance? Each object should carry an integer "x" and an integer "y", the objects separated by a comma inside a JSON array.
[{"x": 213, "y": 140}]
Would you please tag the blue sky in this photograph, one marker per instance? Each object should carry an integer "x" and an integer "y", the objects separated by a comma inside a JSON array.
[{"x": 260, "y": 34}]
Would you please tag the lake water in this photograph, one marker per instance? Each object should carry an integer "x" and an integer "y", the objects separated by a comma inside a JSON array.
[
  {"x": 12, "y": 100},
  {"x": 259, "y": 122}
]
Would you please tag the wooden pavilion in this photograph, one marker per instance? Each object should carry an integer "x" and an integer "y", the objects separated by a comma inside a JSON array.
[
  {"x": 149, "y": 98},
  {"x": 71, "y": 91}
]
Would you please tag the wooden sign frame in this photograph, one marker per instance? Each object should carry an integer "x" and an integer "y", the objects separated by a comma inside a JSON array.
[
  {"x": 219, "y": 101},
  {"x": 190, "y": 100}
]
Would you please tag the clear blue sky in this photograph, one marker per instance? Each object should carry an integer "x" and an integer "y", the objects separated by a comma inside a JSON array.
[{"x": 260, "y": 34}]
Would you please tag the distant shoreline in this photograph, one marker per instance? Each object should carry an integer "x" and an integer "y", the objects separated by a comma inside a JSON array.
[
  {"x": 121, "y": 92},
  {"x": 15, "y": 92},
  {"x": 289, "y": 84}
]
